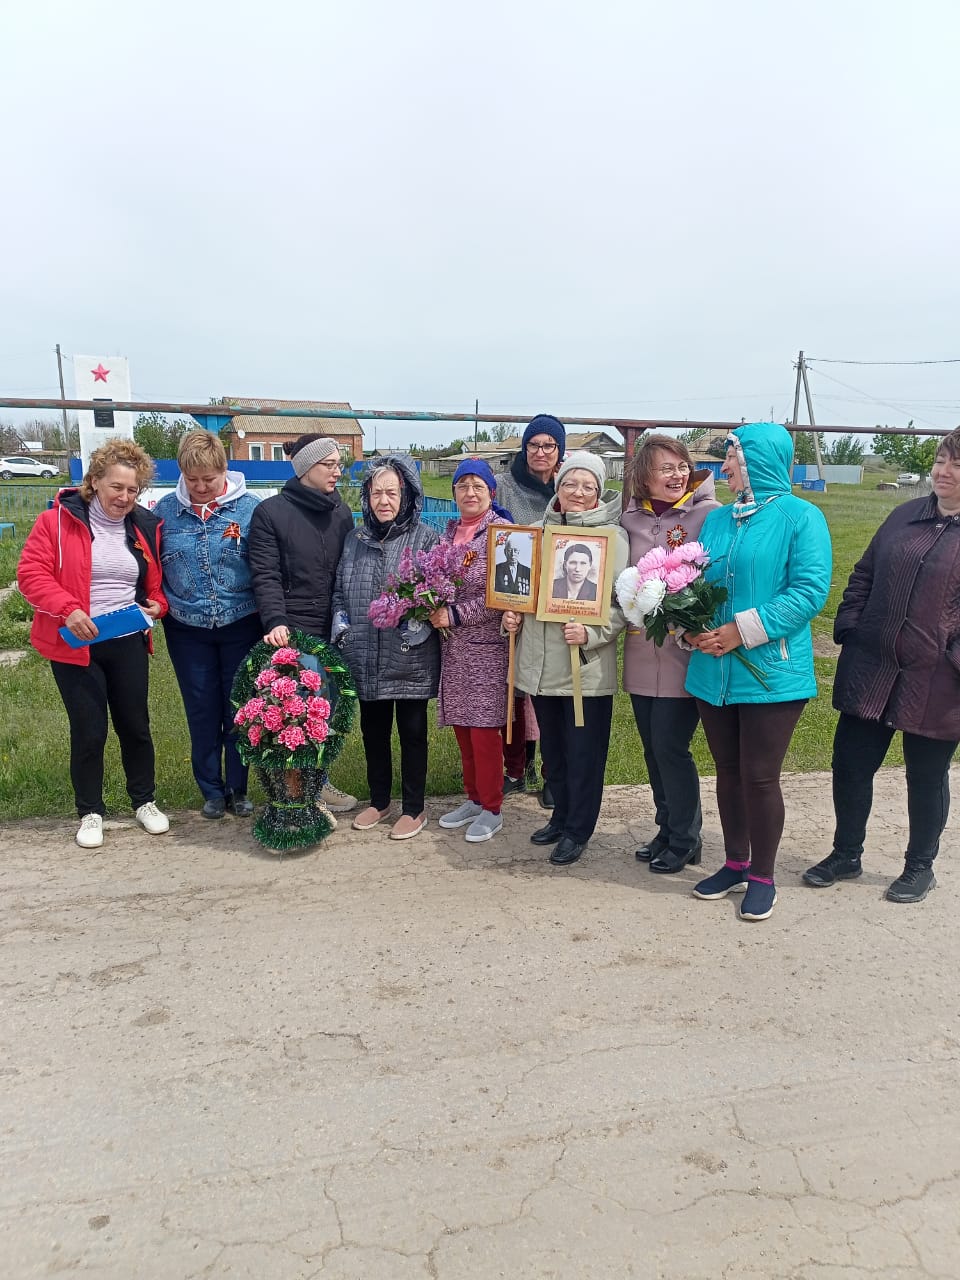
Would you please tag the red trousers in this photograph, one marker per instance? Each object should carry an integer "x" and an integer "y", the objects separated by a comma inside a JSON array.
[
  {"x": 515, "y": 755},
  {"x": 481, "y": 751}
]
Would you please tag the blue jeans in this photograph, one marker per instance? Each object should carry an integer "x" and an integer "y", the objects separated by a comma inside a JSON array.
[
  {"x": 666, "y": 728},
  {"x": 205, "y": 661},
  {"x": 859, "y": 747}
]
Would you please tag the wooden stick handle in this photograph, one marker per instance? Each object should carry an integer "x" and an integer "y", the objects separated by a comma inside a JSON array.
[
  {"x": 510, "y": 672},
  {"x": 575, "y": 677}
]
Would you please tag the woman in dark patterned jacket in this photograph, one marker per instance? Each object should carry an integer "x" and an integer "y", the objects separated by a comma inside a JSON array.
[
  {"x": 393, "y": 673},
  {"x": 473, "y": 678},
  {"x": 899, "y": 625}
]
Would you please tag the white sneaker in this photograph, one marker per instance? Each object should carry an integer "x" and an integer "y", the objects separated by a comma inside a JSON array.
[
  {"x": 484, "y": 827},
  {"x": 90, "y": 835},
  {"x": 324, "y": 809},
  {"x": 337, "y": 801},
  {"x": 461, "y": 816},
  {"x": 151, "y": 819}
]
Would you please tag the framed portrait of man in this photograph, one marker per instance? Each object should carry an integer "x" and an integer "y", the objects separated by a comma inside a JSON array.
[
  {"x": 513, "y": 566},
  {"x": 576, "y": 575}
]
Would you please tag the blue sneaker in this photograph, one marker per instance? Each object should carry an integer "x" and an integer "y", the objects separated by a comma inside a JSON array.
[
  {"x": 759, "y": 900},
  {"x": 726, "y": 880}
]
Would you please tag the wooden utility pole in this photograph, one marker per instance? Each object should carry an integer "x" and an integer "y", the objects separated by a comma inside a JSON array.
[
  {"x": 802, "y": 378},
  {"x": 816, "y": 438},
  {"x": 476, "y": 421},
  {"x": 63, "y": 396}
]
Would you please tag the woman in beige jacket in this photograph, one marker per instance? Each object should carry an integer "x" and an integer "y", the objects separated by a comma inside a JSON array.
[{"x": 575, "y": 758}]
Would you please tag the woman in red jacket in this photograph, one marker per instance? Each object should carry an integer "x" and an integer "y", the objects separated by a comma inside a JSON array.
[{"x": 93, "y": 552}]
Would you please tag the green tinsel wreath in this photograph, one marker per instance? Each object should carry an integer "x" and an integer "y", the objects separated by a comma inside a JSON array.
[{"x": 289, "y": 820}]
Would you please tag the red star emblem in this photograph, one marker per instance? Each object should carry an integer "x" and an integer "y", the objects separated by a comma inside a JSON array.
[{"x": 100, "y": 373}]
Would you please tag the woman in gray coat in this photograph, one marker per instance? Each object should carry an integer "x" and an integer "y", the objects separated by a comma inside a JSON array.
[{"x": 393, "y": 675}]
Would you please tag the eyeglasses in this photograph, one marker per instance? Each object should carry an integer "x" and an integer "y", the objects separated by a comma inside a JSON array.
[
  {"x": 468, "y": 486},
  {"x": 681, "y": 469},
  {"x": 334, "y": 465},
  {"x": 586, "y": 489},
  {"x": 542, "y": 448}
]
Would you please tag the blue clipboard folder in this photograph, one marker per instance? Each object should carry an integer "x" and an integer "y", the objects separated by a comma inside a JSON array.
[{"x": 112, "y": 625}]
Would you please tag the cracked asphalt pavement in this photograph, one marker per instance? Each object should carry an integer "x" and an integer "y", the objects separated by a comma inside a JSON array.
[{"x": 439, "y": 1060}]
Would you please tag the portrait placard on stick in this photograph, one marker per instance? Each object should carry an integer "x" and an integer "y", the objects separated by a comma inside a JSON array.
[
  {"x": 513, "y": 566},
  {"x": 576, "y": 584},
  {"x": 513, "y": 578}
]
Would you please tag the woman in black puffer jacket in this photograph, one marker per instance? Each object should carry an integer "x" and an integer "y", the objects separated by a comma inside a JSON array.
[
  {"x": 295, "y": 542},
  {"x": 391, "y": 670}
]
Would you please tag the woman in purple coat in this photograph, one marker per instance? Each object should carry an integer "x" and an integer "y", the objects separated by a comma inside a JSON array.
[
  {"x": 899, "y": 668},
  {"x": 668, "y": 503},
  {"x": 473, "y": 662}
]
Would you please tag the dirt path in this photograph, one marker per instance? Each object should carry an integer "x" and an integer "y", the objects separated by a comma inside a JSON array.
[{"x": 440, "y": 1060}]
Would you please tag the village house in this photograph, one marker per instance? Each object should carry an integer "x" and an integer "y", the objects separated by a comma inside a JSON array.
[{"x": 256, "y": 438}]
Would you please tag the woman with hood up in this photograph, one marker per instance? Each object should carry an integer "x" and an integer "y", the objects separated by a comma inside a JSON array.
[
  {"x": 667, "y": 502},
  {"x": 772, "y": 552},
  {"x": 396, "y": 672},
  {"x": 213, "y": 622}
]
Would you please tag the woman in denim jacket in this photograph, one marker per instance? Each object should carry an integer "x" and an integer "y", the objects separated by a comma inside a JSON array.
[{"x": 213, "y": 621}]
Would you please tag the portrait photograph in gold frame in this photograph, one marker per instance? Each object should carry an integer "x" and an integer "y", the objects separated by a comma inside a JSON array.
[
  {"x": 513, "y": 566},
  {"x": 576, "y": 574}
]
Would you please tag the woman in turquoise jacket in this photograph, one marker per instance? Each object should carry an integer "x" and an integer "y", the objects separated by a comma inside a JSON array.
[{"x": 772, "y": 552}]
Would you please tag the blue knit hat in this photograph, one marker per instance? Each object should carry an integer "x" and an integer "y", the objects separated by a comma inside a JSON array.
[
  {"x": 476, "y": 467},
  {"x": 545, "y": 424}
]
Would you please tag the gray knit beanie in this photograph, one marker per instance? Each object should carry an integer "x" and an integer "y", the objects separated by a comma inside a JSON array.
[{"x": 583, "y": 461}]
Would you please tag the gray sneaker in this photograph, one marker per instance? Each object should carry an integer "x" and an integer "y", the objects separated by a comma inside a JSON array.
[
  {"x": 485, "y": 826},
  {"x": 460, "y": 816}
]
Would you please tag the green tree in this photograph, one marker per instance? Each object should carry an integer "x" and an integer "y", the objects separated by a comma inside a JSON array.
[
  {"x": 907, "y": 453},
  {"x": 845, "y": 449},
  {"x": 500, "y": 431},
  {"x": 804, "y": 451},
  {"x": 157, "y": 435}
]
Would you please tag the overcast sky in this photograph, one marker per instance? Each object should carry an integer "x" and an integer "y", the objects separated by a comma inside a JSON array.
[{"x": 602, "y": 207}]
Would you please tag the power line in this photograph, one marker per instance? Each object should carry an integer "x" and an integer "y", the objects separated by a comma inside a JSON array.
[
  {"x": 828, "y": 360},
  {"x": 887, "y": 404}
]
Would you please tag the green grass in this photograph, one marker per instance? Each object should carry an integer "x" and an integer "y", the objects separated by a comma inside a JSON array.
[{"x": 34, "y": 748}]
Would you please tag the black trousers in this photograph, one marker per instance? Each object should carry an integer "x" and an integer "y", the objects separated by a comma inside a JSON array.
[
  {"x": 666, "y": 728},
  {"x": 376, "y": 726},
  {"x": 748, "y": 741},
  {"x": 574, "y": 760},
  {"x": 859, "y": 747},
  {"x": 205, "y": 661},
  {"x": 116, "y": 679}
]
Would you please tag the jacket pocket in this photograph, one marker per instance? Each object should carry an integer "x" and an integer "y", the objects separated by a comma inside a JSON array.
[{"x": 178, "y": 575}]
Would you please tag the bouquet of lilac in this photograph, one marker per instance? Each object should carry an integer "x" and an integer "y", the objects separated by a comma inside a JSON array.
[{"x": 421, "y": 584}]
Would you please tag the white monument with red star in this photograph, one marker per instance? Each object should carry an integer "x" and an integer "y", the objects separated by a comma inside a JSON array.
[{"x": 103, "y": 378}]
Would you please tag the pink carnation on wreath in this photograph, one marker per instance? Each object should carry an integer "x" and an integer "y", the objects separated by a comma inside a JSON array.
[
  {"x": 318, "y": 708},
  {"x": 292, "y": 737},
  {"x": 286, "y": 657},
  {"x": 283, "y": 687},
  {"x": 272, "y": 719},
  {"x": 294, "y": 705},
  {"x": 311, "y": 680},
  {"x": 317, "y": 730},
  {"x": 266, "y": 677},
  {"x": 254, "y": 734}
]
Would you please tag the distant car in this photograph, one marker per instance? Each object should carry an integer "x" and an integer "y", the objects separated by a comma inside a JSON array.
[
  {"x": 19, "y": 466},
  {"x": 908, "y": 477}
]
